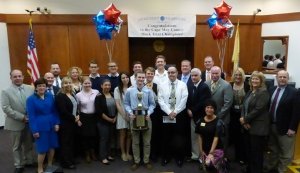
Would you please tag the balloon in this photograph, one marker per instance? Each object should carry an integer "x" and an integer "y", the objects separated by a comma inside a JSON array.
[
  {"x": 118, "y": 25},
  {"x": 230, "y": 28},
  {"x": 103, "y": 28},
  {"x": 111, "y": 14},
  {"x": 223, "y": 10},
  {"x": 218, "y": 31},
  {"x": 212, "y": 20}
]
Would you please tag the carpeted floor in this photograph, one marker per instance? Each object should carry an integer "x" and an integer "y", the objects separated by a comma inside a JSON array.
[{"x": 118, "y": 166}]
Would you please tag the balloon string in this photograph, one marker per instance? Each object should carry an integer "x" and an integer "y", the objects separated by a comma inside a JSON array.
[
  {"x": 108, "y": 51},
  {"x": 112, "y": 47}
]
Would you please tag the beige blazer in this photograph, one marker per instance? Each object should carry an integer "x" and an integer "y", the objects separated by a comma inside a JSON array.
[{"x": 13, "y": 107}]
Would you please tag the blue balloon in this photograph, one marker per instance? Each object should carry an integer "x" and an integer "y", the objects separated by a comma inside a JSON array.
[
  {"x": 103, "y": 28},
  {"x": 212, "y": 20}
]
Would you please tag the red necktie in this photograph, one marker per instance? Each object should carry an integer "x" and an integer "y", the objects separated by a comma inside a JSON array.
[{"x": 273, "y": 106}]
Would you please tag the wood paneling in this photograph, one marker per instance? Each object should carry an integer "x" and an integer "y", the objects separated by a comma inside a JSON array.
[
  {"x": 77, "y": 19},
  {"x": 250, "y": 48},
  {"x": 176, "y": 49}
]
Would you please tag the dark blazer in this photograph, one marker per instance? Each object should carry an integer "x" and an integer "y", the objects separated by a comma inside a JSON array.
[
  {"x": 101, "y": 108},
  {"x": 203, "y": 75},
  {"x": 189, "y": 82},
  {"x": 65, "y": 108},
  {"x": 285, "y": 119},
  {"x": 197, "y": 99},
  {"x": 257, "y": 114},
  {"x": 296, "y": 110}
]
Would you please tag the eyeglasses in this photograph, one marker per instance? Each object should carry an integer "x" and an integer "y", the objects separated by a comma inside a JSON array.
[
  {"x": 112, "y": 66},
  {"x": 171, "y": 72}
]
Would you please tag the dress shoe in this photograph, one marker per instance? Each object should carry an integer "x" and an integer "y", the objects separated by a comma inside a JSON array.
[
  {"x": 19, "y": 170},
  {"x": 164, "y": 162},
  {"x": 69, "y": 166},
  {"x": 148, "y": 166},
  {"x": 134, "y": 167},
  {"x": 105, "y": 162},
  {"x": 109, "y": 158},
  {"x": 179, "y": 163}
]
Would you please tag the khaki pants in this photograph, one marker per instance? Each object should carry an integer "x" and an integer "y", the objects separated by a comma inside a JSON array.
[
  {"x": 146, "y": 135},
  {"x": 282, "y": 150},
  {"x": 22, "y": 146}
]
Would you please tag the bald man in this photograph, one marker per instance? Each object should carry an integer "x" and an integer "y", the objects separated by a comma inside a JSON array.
[
  {"x": 221, "y": 92},
  {"x": 284, "y": 123},
  {"x": 50, "y": 87}
]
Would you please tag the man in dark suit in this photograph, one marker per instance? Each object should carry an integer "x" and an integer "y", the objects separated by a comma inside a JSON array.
[
  {"x": 185, "y": 75},
  {"x": 55, "y": 70},
  {"x": 50, "y": 80},
  {"x": 13, "y": 101},
  {"x": 95, "y": 77},
  {"x": 209, "y": 63},
  {"x": 198, "y": 93},
  {"x": 284, "y": 123}
]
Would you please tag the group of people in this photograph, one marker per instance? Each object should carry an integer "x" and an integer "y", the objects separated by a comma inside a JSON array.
[
  {"x": 272, "y": 62},
  {"x": 192, "y": 115}
]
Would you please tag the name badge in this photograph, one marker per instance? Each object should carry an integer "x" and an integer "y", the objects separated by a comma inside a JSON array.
[{"x": 202, "y": 124}]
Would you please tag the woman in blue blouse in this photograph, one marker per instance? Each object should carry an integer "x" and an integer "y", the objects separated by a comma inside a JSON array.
[{"x": 43, "y": 122}]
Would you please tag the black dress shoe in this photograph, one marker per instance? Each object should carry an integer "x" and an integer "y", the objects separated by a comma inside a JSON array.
[
  {"x": 19, "y": 170},
  {"x": 179, "y": 163},
  {"x": 69, "y": 166},
  {"x": 164, "y": 162}
]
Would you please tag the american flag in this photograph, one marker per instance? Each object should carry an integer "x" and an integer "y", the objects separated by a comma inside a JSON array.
[{"x": 32, "y": 59}]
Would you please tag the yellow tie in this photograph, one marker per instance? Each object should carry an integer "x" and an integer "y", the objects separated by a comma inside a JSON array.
[{"x": 208, "y": 75}]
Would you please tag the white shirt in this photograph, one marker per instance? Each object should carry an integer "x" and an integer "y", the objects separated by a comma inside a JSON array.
[
  {"x": 132, "y": 80},
  {"x": 59, "y": 82},
  {"x": 181, "y": 94},
  {"x": 160, "y": 78}
]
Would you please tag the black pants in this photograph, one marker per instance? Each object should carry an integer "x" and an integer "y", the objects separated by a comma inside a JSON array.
[
  {"x": 67, "y": 135},
  {"x": 255, "y": 152},
  {"x": 173, "y": 139}
]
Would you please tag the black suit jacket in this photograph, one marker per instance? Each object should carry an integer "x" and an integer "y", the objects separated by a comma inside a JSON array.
[
  {"x": 65, "y": 108},
  {"x": 285, "y": 119},
  {"x": 189, "y": 82},
  {"x": 203, "y": 75},
  {"x": 197, "y": 99}
]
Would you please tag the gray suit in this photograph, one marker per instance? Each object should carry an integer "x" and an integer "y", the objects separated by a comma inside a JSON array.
[
  {"x": 14, "y": 108},
  {"x": 223, "y": 96}
]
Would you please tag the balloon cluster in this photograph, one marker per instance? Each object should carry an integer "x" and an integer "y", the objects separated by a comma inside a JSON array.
[
  {"x": 108, "y": 21},
  {"x": 219, "y": 23}
]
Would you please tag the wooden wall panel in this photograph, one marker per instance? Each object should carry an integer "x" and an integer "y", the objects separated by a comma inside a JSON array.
[
  {"x": 17, "y": 41},
  {"x": 52, "y": 44},
  {"x": 176, "y": 49},
  {"x": 85, "y": 46},
  {"x": 250, "y": 48}
]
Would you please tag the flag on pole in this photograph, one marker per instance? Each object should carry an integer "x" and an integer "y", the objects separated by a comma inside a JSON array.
[
  {"x": 236, "y": 49},
  {"x": 32, "y": 58}
]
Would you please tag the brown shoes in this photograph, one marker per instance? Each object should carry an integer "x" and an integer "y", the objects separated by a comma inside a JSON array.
[
  {"x": 134, "y": 167},
  {"x": 148, "y": 166}
]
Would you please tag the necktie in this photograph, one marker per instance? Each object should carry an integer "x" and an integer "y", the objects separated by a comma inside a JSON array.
[
  {"x": 274, "y": 102},
  {"x": 208, "y": 75},
  {"x": 56, "y": 81},
  {"x": 194, "y": 89},
  {"x": 213, "y": 87},
  {"x": 22, "y": 96},
  {"x": 172, "y": 96}
]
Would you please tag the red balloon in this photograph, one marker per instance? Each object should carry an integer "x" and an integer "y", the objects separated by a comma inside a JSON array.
[
  {"x": 223, "y": 10},
  {"x": 111, "y": 14},
  {"x": 218, "y": 31}
]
